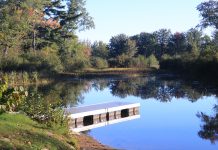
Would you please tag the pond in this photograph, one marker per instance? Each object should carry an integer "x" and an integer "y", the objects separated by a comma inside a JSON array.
[{"x": 174, "y": 114}]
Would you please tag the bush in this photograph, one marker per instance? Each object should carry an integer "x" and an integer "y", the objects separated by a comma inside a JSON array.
[
  {"x": 11, "y": 61},
  {"x": 152, "y": 61},
  {"x": 44, "y": 112},
  {"x": 139, "y": 62},
  {"x": 11, "y": 99},
  {"x": 35, "y": 76},
  {"x": 42, "y": 61},
  {"x": 99, "y": 63},
  {"x": 166, "y": 57},
  {"x": 71, "y": 64},
  {"x": 25, "y": 77}
]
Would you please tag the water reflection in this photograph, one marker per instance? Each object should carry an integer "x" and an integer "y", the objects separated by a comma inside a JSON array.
[
  {"x": 88, "y": 126},
  {"x": 69, "y": 92},
  {"x": 209, "y": 129},
  {"x": 161, "y": 88}
]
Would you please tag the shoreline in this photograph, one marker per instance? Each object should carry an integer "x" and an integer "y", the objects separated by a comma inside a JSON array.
[
  {"x": 110, "y": 72},
  {"x": 86, "y": 142}
]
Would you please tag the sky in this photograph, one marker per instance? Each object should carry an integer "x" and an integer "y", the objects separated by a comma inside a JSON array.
[{"x": 131, "y": 17}]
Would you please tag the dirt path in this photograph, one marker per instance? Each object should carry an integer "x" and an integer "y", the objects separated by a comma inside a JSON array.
[{"x": 88, "y": 143}]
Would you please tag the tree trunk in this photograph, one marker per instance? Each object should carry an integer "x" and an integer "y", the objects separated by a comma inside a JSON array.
[{"x": 34, "y": 41}]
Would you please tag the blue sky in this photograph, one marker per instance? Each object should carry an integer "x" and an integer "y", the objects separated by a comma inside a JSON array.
[{"x": 131, "y": 17}]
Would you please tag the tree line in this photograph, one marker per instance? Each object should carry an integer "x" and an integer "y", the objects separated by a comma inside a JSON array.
[
  {"x": 40, "y": 36},
  {"x": 146, "y": 49},
  {"x": 190, "y": 52}
]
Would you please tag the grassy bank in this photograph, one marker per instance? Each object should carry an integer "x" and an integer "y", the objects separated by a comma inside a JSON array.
[
  {"x": 119, "y": 70},
  {"x": 91, "y": 72},
  {"x": 29, "y": 78},
  {"x": 17, "y": 131}
]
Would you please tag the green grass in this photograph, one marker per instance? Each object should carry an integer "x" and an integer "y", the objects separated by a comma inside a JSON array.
[
  {"x": 113, "y": 71},
  {"x": 17, "y": 131}
]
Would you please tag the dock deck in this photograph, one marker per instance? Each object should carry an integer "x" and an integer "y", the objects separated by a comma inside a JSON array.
[{"x": 92, "y": 116}]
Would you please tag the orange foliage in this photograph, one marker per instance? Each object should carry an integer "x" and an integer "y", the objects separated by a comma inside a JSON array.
[{"x": 39, "y": 16}]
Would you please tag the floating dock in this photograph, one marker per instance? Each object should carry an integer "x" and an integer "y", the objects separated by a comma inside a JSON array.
[{"x": 98, "y": 115}]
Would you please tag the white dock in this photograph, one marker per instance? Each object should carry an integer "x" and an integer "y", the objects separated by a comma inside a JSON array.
[{"x": 93, "y": 116}]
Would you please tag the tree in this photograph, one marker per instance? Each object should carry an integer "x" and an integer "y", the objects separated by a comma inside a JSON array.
[
  {"x": 209, "y": 12},
  {"x": 77, "y": 16},
  {"x": 194, "y": 39},
  {"x": 76, "y": 55},
  {"x": 121, "y": 44},
  {"x": 121, "y": 50},
  {"x": 72, "y": 16},
  {"x": 100, "y": 49},
  {"x": 99, "y": 63},
  {"x": 145, "y": 43},
  {"x": 13, "y": 24},
  {"x": 215, "y": 39},
  {"x": 162, "y": 37},
  {"x": 117, "y": 45},
  {"x": 177, "y": 44},
  {"x": 205, "y": 41},
  {"x": 152, "y": 61},
  {"x": 38, "y": 25}
]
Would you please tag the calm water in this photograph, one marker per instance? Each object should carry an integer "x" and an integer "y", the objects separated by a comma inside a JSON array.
[{"x": 174, "y": 114}]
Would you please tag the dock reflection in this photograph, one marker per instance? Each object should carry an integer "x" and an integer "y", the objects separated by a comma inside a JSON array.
[
  {"x": 106, "y": 123},
  {"x": 94, "y": 116}
]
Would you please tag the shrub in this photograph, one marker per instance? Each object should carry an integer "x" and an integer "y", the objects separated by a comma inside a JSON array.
[
  {"x": 165, "y": 57},
  {"x": 10, "y": 62},
  {"x": 152, "y": 61},
  {"x": 25, "y": 76},
  {"x": 35, "y": 76},
  {"x": 139, "y": 62},
  {"x": 99, "y": 63},
  {"x": 44, "y": 112},
  {"x": 13, "y": 76},
  {"x": 11, "y": 99},
  {"x": 45, "y": 60}
]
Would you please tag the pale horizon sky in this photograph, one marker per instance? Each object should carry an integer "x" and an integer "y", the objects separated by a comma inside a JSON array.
[{"x": 131, "y": 17}]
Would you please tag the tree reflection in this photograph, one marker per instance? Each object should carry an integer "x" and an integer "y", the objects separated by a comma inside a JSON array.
[
  {"x": 160, "y": 88},
  {"x": 155, "y": 87},
  {"x": 68, "y": 93},
  {"x": 209, "y": 129}
]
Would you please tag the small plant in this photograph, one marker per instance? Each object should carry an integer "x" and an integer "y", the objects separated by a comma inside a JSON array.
[
  {"x": 13, "y": 76},
  {"x": 11, "y": 99},
  {"x": 35, "y": 76},
  {"x": 25, "y": 77}
]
